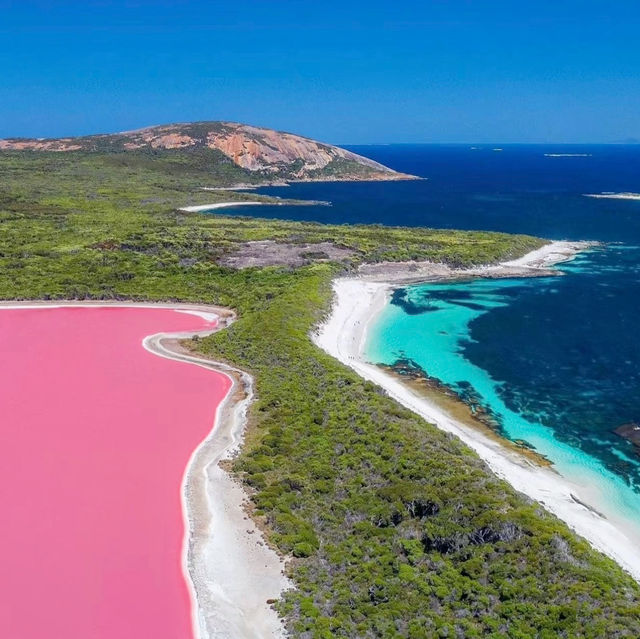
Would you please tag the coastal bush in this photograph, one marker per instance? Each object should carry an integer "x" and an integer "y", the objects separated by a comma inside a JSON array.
[{"x": 395, "y": 529}]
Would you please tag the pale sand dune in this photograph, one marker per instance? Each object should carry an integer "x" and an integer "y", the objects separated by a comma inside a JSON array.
[{"x": 358, "y": 300}]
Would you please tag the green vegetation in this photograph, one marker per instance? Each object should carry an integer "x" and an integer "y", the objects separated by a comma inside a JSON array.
[
  {"x": 270, "y": 154},
  {"x": 397, "y": 529}
]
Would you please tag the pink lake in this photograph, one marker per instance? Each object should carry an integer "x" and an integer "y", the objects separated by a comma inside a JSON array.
[{"x": 95, "y": 436}]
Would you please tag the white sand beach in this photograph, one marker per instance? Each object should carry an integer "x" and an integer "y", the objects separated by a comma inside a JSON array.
[
  {"x": 614, "y": 196},
  {"x": 272, "y": 202},
  {"x": 231, "y": 570},
  {"x": 220, "y": 205},
  {"x": 534, "y": 264},
  {"x": 358, "y": 300}
]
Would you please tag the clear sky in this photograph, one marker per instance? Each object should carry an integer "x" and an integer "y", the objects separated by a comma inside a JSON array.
[{"x": 361, "y": 71}]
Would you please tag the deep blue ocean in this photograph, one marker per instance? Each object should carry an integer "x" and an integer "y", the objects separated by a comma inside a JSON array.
[{"x": 556, "y": 360}]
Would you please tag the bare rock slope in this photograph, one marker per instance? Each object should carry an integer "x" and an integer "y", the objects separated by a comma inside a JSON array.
[{"x": 270, "y": 153}]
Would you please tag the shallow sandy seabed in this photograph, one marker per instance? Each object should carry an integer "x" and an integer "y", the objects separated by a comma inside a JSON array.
[{"x": 358, "y": 301}]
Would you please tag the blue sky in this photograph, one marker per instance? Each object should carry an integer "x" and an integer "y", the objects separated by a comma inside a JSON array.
[{"x": 344, "y": 72}]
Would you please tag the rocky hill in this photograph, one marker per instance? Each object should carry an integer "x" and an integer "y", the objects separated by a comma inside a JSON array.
[{"x": 259, "y": 151}]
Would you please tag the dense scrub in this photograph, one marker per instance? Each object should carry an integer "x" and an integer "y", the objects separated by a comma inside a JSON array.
[
  {"x": 397, "y": 529},
  {"x": 404, "y": 531}
]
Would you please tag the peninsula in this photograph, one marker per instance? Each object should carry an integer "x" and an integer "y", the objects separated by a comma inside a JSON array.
[{"x": 357, "y": 301}]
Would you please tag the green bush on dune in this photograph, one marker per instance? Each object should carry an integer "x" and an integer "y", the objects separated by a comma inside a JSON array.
[{"x": 396, "y": 529}]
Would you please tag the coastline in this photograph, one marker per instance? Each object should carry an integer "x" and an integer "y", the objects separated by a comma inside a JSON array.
[
  {"x": 229, "y": 569},
  {"x": 537, "y": 263},
  {"x": 201, "y": 208},
  {"x": 613, "y": 196},
  {"x": 221, "y": 205},
  {"x": 359, "y": 300}
]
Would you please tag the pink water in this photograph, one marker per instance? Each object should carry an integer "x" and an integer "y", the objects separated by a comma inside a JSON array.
[{"x": 95, "y": 435}]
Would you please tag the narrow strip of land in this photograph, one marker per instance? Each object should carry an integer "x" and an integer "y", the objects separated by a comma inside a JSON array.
[{"x": 614, "y": 196}]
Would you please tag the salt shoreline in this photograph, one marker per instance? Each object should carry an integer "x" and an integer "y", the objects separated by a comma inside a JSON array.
[
  {"x": 229, "y": 569},
  {"x": 358, "y": 301}
]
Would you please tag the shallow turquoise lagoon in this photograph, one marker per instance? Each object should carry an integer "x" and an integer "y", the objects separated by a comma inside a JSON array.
[{"x": 534, "y": 362}]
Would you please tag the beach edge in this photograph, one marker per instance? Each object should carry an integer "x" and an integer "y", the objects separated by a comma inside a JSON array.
[
  {"x": 232, "y": 572},
  {"x": 359, "y": 300},
  {"x": 229, "y": 569}
]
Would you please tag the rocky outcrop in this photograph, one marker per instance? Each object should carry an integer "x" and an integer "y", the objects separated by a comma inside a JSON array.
[
  {"x": 630, "y": 432},
  {"x": 262, "y": 253},
  {"x": 257, "y": 150},
  {"x": 265, "y": 150}
]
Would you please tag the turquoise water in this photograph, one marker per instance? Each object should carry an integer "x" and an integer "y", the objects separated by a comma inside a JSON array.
[
  {"x": 431, "y": 327},
  {"x": 556, "y": 360}
]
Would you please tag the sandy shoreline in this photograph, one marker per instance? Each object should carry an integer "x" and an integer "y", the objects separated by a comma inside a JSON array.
[
  {"x": 222, "y": 205},
  {"x": 614, "y": 196},
  {"x": 357, "y": 301},
  {"x": 537, "y": 263},
  {"x": 274, "y": 202},
  {"x": 230, "y": 570}
]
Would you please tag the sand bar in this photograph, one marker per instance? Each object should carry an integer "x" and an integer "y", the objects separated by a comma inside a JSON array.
[
  {"x": 614, "y": 196},
  {"x": 221, "y": 205},
  {"x": 273, "y": 202}
]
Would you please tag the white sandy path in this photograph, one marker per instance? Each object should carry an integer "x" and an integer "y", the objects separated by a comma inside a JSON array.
[
  {"x": 230, "y": 570},
  {"x": 343, "y": 336}
]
